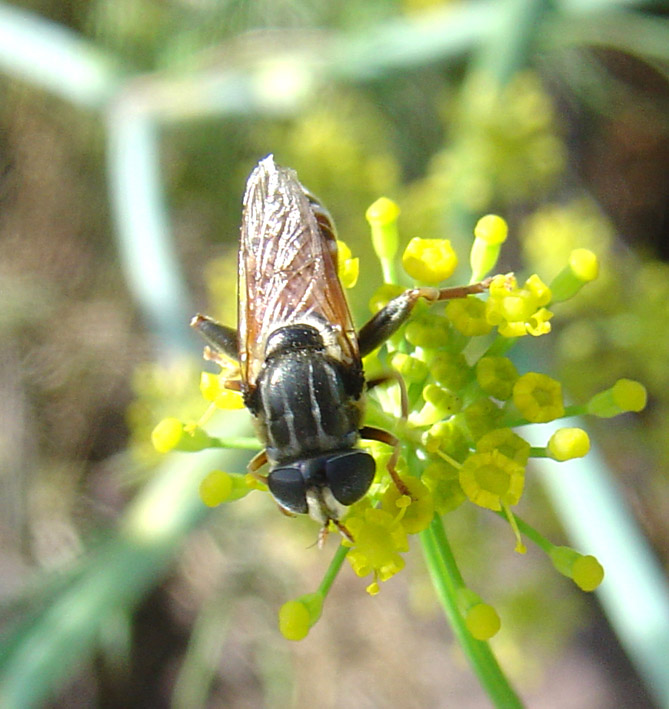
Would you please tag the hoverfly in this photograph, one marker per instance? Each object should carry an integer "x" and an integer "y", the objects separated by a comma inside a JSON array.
[{"x": 299, "y": 355}]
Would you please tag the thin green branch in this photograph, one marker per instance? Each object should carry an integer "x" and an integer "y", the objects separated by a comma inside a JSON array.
[
  {"x": 635, "y": 33},
  {"x": 40, "y": 651},
  {"x": 333, "y": 570},
  {"x": 249, "y": 443},
  {"x": 530, "y": 532},
  {"x": 53, "y": 57},
  {"x": 447, "y": 581}
]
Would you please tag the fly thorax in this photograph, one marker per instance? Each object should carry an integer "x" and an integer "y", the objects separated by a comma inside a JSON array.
[{"x": 308, "y": 403}]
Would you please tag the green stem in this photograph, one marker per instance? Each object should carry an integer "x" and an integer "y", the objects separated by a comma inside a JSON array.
[
  {"x": 575, "y": 410},
  {"x": 388, "y": 270},
  {"x": 447, "y": 581},
  {"x": 241, "y": 442},
  {"x": 509, "y": 421},
  {"x": 333, "y": 570},
  {"x": 500, "y": 346},
  {"x": 530, "y": 533}
]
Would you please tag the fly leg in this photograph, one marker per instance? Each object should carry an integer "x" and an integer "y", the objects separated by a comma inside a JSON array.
[
  {"x": 390, "y": 318},
  {"x": 372, "y": 433},
  {"x": 257, "y": 462},
  {"x": 379, "y": 434},
  {"x": 222, "y": 338},
  {"x": 223, "y": 347}
]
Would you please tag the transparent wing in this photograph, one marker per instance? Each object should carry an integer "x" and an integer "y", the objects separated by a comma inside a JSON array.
[{"x": 287, "y": 267}]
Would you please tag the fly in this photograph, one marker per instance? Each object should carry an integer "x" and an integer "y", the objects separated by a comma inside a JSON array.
[{"x": 299, "y": 354}]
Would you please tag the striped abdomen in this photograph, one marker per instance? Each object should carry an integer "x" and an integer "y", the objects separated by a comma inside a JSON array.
[{"x": 307, "y": 403}]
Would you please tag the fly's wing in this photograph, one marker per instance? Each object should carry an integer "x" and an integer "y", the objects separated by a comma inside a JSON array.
[{"x": 287, "y": 268}]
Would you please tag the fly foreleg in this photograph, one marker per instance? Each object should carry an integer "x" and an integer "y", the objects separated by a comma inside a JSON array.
[
  {"x": 390, "y": 318},
  {"x": 222, "y": 348},
  {"x": 222, "y": 338}
]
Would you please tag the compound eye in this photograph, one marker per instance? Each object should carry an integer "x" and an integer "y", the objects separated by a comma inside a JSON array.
[
  {"x": 287, "y": 487},
  {"x": 349, "y": 475}
]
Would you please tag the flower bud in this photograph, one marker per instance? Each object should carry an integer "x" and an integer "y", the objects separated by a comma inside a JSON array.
[
  {"x": 429, "y": 260},
  {"x": 582, "y": 268},
  {"x": 625, "y": 395},
  {"x": 297, "y": 617},
  {"x": 382, "y": 217},
  {"x": 568, "y": 443},
  {"x": 585, "y": 571},
  {"x": 489, "y": 234}
]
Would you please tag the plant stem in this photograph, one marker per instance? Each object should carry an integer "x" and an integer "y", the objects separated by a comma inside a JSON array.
[
  {"x": 333, "y": 570},
  {"x": 447, "y": 581}
]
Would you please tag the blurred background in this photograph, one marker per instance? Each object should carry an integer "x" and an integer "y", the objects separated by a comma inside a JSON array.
[{"x": 127, "y": 131}]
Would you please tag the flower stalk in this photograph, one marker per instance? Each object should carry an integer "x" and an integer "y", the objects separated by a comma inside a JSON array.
[{"x": 448, "y": 584}]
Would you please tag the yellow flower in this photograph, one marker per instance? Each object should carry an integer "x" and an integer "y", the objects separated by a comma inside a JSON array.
[
  {"x": 625, "y": 395},
  {"x": 468, "y": 316},
  {"x": 584, "y": 570},
  {"x": 348, "y": 267},
  {"x": 382, "y": 217},
  {"x": 414, "y": 513},
  {"x": 439, "y": 404},
  {"x": 519, "y": 311},
  {"x": 212, "y": 387},
  {"x": 538, "y": 397},
  {"x": 172, "y": 434},
  {"x": 481, "y": 618},
  {"x": 491, "y": 480},
  {"x": 496, "y": 376},
  {"x": 429, "y": 260},
  {"x": 491, "y": 229},
  {"x": 167, "y": 434},
  {"x": 442, "y": 481},
  {"x": 507, "y": 442},
  {"x": 379, "y": 538},
  {"x": 218, "y": 487}
]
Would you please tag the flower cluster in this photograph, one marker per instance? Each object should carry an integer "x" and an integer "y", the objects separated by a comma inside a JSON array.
[{"x": 462, "y": 439}]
